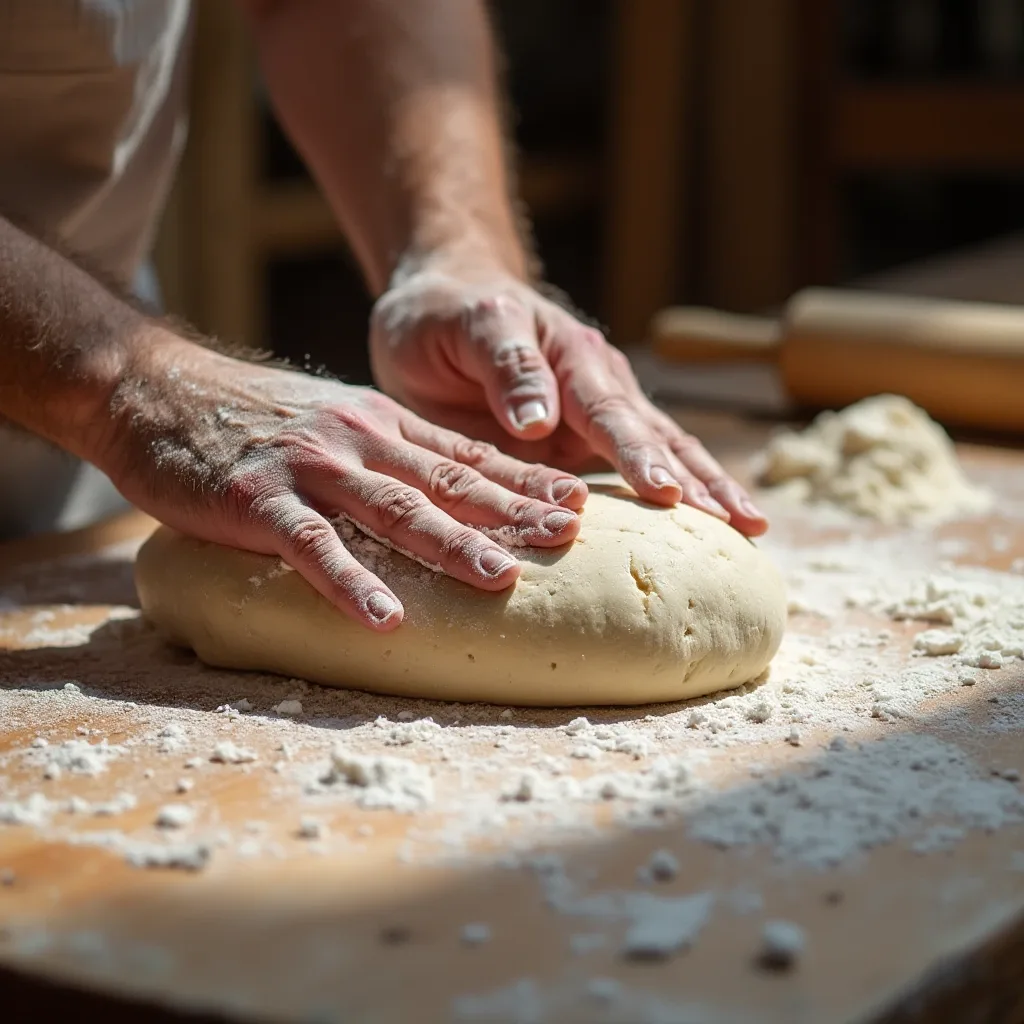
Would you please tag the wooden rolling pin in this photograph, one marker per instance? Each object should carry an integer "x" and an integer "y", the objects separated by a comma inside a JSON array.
[{"x": 963, "y": 362}]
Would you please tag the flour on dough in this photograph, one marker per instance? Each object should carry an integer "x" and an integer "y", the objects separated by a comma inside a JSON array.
[
  {"x": 883, "y": 458},
  {"x": 648, "y": 604}
]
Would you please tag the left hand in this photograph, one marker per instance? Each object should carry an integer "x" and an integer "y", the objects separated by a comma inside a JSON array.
[{"x": 481, "y": 352}]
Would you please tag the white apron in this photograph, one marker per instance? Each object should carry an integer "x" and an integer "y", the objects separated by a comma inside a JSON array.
[{"x": 92, "y": 121}]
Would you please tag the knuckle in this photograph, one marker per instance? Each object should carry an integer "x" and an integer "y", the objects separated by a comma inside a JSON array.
[
  {"x": 253, "y": 495},
  {"x": 473, "y": 453},
  {"x": 532, "y": 480},
  {"x": 395, "y": 502},
  {"x": 609, "y": 405},
  {"x": 721, "y": 486},
  {"x": 692, "y": 454},
  {"x": 450, "y": 481},
  {"x": 686, "y": 444},
  {"x": 519, "y": 361},
  {"x": 521, "y": 510},
  {"x": 308, "y": 539},
  {"x": 456, "y": 543},
  {"x": 620, "y": 361},
  {"x": 639, "y": 452},
  {"x": 350, "y": 579},
  {"x": 594, "y": 339},
  {"x": 244, "y": 489},
  {"x": 494, "y": 307},
  {"x": 347, "y": 418}
]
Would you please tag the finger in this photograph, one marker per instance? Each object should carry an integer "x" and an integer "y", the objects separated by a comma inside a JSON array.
[
  {"x": 705, "y": 484},
  {"x": 311, "y": 546},
  {"x": 694, "y": 458},
  {"x": 527, "y": 478},
  {"x": 469, "y": 497},
  {"x": 596, "y": 407},
  {"x": 503, "y": 354},
  {"x": 404, "y": 517},
  {"x": 743, "y": 513}
]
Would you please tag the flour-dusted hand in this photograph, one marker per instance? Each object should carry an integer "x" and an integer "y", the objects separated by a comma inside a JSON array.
[
  {"x": 262, "y": 458},
  {"x": 483, "y": 353}
]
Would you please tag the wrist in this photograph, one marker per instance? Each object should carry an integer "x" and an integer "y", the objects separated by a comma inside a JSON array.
[
  {"x": 468, "y": 253},
  {"x": 134, "y": 390},
  {"x": 73, "y": 400}
]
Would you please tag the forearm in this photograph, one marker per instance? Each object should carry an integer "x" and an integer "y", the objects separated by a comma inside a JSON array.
[
  {"x": 64, "y": 342},
  {"x": 394, "y": 106}
]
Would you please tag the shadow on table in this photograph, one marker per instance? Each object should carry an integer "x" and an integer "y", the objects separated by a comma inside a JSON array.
[
  {"x": 74, "y": 580},
  {"x": 128, "y": 660}
]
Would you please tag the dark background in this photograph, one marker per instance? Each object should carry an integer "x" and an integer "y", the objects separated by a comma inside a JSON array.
[{"x": 560, "y": 58}]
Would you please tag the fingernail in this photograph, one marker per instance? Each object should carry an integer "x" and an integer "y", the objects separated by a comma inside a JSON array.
[
  {"x": 381, "y": 606},
  {"x": 530, "y": 412},
  {"x": 562, "y": 489},
  {"x": 750, "y": 509},
  {"x": 494, "y": 562},
  {"x": 661, "y": 477},
  {"x": 556, "y": 522},
  {"x": 706, "y": 502}
]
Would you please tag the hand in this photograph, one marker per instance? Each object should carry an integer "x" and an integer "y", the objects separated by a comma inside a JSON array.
[
  {"x": 262, "y": 458},
  {"x": 481, "y": 352}
]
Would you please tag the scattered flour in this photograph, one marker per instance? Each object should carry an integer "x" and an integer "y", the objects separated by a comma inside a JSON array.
[
  {"x": 184, "y": 856},
  {"x": 405, "y": 732},
  {"x": 33, "y": 810},
  {"x": 377, "y": 782},
  {"x": 782, "y": 944},
  {"x": 476, "y": 934},
  {"x": 859, "y": 798},
  {"x": 175, "y": 816},
  {"x": 312, "y": 828},
  {"x": 983, "y": 612},
  {"x": 119, "y": 804},
  {"x": 228, "y": 752},
  {"x": 662, "y": 867},
  {"x": 171, "y": 738},
  {"x": 863, "y": 758},
  {"x": 529, "y": 1001},
  {"x": 78, "y": 757},
  {"x": 662, "y": 927},
  {"x": 656, "y": 926}
]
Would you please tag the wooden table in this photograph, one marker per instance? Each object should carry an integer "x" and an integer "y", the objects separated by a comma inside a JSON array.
[{"x": 358, "y": 933}]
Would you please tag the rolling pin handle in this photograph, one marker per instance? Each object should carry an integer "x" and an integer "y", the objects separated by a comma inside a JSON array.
[{"x": 692, "y": 334}]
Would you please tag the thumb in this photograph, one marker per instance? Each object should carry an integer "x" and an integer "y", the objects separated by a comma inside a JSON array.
[{"x": 520, "y": 386}]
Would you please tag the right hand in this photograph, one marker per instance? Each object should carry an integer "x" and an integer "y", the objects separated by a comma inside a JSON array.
[{"x": 261, "y": 458}]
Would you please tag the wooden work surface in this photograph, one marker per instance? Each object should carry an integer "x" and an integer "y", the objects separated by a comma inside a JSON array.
[{"x": 360, "y": 931}]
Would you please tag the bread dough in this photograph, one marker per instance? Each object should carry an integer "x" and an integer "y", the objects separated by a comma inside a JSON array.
[
  {"x": 647, "y": 604},
  {"x": 882, "y": 458}
]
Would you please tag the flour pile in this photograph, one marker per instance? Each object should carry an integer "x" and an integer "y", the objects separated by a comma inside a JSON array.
[{"x": 882, "y": 458}]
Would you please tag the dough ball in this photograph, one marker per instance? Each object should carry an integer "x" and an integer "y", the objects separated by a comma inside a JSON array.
[{"x": 648, "y": 604}]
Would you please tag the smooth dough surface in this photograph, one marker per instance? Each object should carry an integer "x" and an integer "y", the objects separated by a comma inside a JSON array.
[{"x": 648, "y": 604}]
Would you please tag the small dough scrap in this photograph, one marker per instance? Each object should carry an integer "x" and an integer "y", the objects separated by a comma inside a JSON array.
[
  {"x": 648, "y": 604},
  {"x": 882, "y": 458}
]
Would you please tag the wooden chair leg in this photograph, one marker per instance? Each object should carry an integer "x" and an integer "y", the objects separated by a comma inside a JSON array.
[
  {"x": 749, "y": 182},
  {"x": 648, "y": 179}
]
